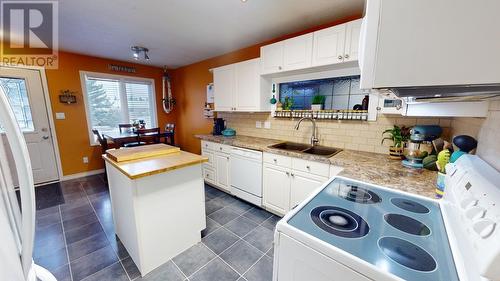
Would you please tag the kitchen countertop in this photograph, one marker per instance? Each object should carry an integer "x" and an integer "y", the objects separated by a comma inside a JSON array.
[
  {"x": 364, "y": 166},
  {"x": 144, "y": 167}
]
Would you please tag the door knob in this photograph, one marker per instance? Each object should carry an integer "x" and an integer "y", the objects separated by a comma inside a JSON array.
[
  {"x": 346, "y": 56},
  {"x": 340, "y": 57},
  {"x": 45, "y": 137}
]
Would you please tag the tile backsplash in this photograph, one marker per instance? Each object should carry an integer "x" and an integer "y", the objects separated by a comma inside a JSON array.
[{"x": 355, "y": 135}]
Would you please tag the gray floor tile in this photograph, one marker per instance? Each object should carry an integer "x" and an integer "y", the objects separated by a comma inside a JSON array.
[
  {"x": 47, "y": 211},
  {"x": 224, "y": 215},
  {"x": 240, "y": 206},
  {"x": 193, "y": 258},
  {"x": 131, "y": 269},
  {"x": 72, "y": 213},
  {"x": 92, "y": 263},
  {"x": 46, "y": 232},
  {"x": 114, "y": 272},
  {"x": 166, "y": 272},
  {"x": 79, "y": 221},
  {"x": 212, "y": 192},
  {"x": 216, "y": 270},
  {"x": 220, "y": 240},
  {"x": 226, "y": 200},
  {"x": 80, "y": 233},
  {"x": 271, "y": 222},
  {"x": 270, "y": 253},
  {"x": 211, "y": 227},
  {"x": 48, "y": 219},
  {"x": 258, "y": 215},
  {"x": 52, "y": 260},
  {"x": 74, "y": 204},
  {"x": 118, "y": 247},
  {"x": 86, "y": 246},
  {"x": 241, "y": 256},
  {"x": 213, "y": 206},
  {"x": 262, "y": 271},
  {"x": 62, "y": 273},
  {"x": 241, "y": 226},
  {"x": 48, "y": 246},
  {"x": 261, "y": 238}
]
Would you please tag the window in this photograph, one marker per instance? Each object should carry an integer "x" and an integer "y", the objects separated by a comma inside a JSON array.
[
  {"x": 111, "y": 100},
  {"x": 340, "y": 93},
  {"x": 15, "y": 89}
]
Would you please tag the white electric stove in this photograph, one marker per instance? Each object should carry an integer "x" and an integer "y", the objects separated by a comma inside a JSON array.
[{"x": 350, "y": 230}]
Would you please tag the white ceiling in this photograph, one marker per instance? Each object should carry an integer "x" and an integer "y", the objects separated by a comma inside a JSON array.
[{"x": 181, "y": 32}]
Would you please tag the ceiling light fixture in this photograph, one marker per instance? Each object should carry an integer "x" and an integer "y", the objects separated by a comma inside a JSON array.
[{"x": 137, "y": 50}]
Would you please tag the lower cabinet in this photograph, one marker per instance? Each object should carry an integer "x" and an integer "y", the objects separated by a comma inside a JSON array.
[
  {"x": 276, "y": 188},
  {"x": 221, "y": 162},
  {"x": 302, "y": 185}
]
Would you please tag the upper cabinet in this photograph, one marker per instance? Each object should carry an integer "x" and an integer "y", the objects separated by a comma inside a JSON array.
[
  {"x": 239, "y": 87},
  {"x": 329, "y": 46}
]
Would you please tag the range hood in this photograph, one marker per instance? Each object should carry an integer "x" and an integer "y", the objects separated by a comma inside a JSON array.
[{"x": 454, "y": 93}]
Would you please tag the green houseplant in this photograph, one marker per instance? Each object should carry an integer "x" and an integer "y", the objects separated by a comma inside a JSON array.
[
  {"x": 398, "y": 136},
  {"x": 318, "y": 102}
]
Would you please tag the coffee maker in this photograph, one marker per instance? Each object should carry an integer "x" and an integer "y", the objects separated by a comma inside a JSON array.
[{"x": 219, "y": 126}]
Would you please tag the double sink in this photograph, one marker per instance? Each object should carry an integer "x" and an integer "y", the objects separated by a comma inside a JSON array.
[{"x": 318, "y": 150}]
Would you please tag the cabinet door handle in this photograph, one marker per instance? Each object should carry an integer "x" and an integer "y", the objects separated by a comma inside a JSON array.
[
  {"x": 227, "y": 158},
  {"x": 346, "y": 56},
  {"x": 340, "y": 57},
  {"x": 280, "y": 68},
  {"x": 292, "y": 175},
  {"x": 308, "y": 167},
  {"x": 275, "y": 160},
  {"x": 220, "y": 148},
  {"x": 288, "y": 173}
]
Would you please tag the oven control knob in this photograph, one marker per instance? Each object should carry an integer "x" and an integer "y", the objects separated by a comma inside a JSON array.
[
  {"x": 475, "y": 213},
  {"x": 484, "y": 228},
  {"x": 468, "y": 203}
]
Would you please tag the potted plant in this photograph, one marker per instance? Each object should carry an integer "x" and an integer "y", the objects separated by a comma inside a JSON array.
[
  {"x": 318, "y": 102},
  {"x": 398, "y": 135}
]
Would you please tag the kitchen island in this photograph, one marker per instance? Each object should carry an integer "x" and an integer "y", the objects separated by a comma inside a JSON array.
[{"x": 157, "y": 201}]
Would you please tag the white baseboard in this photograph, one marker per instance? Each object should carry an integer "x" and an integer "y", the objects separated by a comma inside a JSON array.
[{"x": 82, "y": 175}]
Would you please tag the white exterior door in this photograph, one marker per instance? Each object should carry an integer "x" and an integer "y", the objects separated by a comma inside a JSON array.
[
  {"x": 329, "y": 45},
  {"x": 302, "y": 186},
  {"x": 26, "y": 96},
  {"x": 353, "y": 31},
  {"x": 272, "y": 58},
  {"x": 222, "y": 170},
  {"x": 224, "y": 87},
  {"x": 298, "y": 52},
  {"x": 276, "y": 188}
]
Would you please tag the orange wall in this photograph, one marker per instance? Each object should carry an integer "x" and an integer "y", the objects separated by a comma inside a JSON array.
[
  {"x": 72, "y": 133},
  {"x": 189, "y": 86}
]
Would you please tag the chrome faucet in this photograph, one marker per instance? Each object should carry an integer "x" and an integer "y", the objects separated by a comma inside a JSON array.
[{"x": 314, "y": 138}]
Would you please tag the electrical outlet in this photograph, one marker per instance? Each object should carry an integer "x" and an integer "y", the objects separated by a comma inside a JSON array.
[
  {"x": 267, "y": 124},
  {"x": 258, "y": 124},
  {"x": 85, "y": 160}
]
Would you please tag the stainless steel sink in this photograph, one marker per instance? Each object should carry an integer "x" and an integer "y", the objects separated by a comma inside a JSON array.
[
  {"x": 292, "y": 146},
  {"x": 322, "y": 151},
  {"x": 319, "y": 150}
]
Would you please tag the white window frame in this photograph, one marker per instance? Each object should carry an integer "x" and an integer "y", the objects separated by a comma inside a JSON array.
[{"x": 123, "y": 79}]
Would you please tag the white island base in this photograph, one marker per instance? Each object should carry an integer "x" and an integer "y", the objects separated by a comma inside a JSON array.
[{"x": 157, "y": 216}]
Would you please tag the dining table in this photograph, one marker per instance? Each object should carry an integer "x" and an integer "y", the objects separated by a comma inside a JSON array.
[{"x": 121, "y": 137}]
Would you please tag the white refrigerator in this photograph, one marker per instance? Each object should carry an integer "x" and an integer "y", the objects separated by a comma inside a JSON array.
[{"x": 17, "y": 229}]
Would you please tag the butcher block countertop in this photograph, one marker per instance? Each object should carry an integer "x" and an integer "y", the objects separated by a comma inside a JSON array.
[
  {"x": 365, "y": 166},
  {"x": 147, "y": 166}
]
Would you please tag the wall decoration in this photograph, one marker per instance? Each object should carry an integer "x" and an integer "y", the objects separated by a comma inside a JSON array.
[
  {"x": 67, "y": 97},
  {"x": 121, "y": 68}
]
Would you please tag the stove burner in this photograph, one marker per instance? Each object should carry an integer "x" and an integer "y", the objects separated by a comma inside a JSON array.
[
  {"x": 410, "y": 205},
  {"x": 339, "y": 221},
  {"x": 407, "y": 224},
  {"x": 407, "y": 254},
  {"x": 359, "y": 195}
]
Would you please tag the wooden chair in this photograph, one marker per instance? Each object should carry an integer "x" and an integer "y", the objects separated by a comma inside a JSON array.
[
  {"x": 148, "y": 139},
  {"x": 125, "y": 127},
  {"x": 102, "y": 141},
  {"x": 169, "y": 133}
]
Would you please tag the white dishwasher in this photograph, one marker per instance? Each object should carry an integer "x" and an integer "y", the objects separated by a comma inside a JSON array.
[{"x": 246, "y": 175}]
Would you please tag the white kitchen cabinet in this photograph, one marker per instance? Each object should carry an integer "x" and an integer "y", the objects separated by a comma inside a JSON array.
[
  {"x": 222, "y": 170},
  {"x": 353, "y": 32},
  {"x": 239, "y": 87},
  {"x": 336, "y": 44},
  {"x": 302, "y": 186},
  {"x": 224, "y": 87},
  {"x": 272, "y": 58},
  {"x": 297, "y": 52},
  {"x": 276, "y": 188},
  {"x": 329, "y": 45}
]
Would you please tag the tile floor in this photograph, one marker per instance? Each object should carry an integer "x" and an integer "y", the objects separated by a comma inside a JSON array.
[{"x": 75, "y": 239}]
